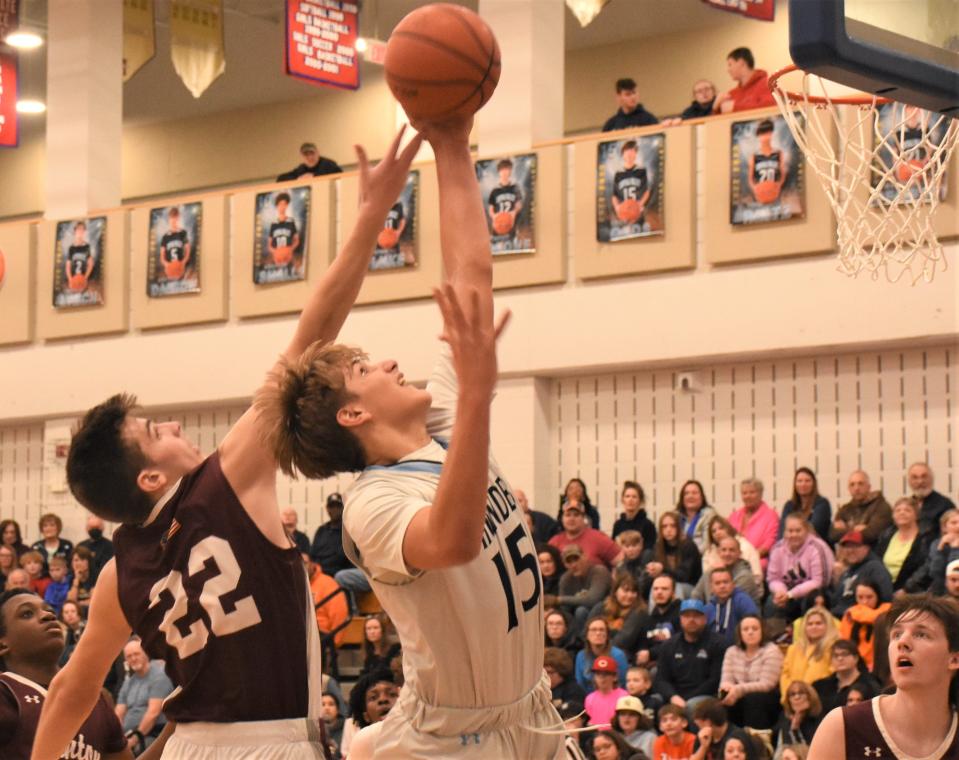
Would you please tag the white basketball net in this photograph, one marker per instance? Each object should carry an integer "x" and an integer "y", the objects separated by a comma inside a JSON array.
[{"x": 882, "y": 167}]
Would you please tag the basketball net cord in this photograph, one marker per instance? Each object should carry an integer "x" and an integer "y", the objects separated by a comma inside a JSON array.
[{"x": 884, "y": 194}]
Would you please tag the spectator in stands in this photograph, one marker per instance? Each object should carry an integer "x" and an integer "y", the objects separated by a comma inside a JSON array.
[
  {"x": 380, "y": 643},
  {"x": 634, "y": 725},
  {"x": 574, "y": 717},
  {"x": 807, "y": 502},
  {"x": 598, "y": 644},
  {"x": 946, "y": 551},
  {"x": 861, "y": 622},
  {"x": 371, "y": 699},
  {"x": 598, "y": 547},
  {"x": 690, "y": 663},
  {"x": 609, "y": 745},
  {"x": 704, "y": 93},
  {"x": 18, "y": 578},
  {"x": 695, "y": 512},
  {"x": 674, "y": 740},
  {"x": 952, "y": 581},
  {"x": 673, "y": 553},
  {"x": 931, "y": 503},
  {"x": 848, "y": 672},
  {"x": 313, "y": 164},
  {"x": 622, "y": 606},
  {"x": 631, "y": 112},
  {"x": 752, "y": 84},
  {"x": 100, "y": 548},
  {"x": 867, "y": 511},
  {"x": 716, "y": 730},
  {"x": 801, "y": 715},
  {"x": 720, "y": 528},
  {"x": 327, "y": 548},
  {"x": 559, "y": 634},
  {"x": 730, "y": 558},
  {"x": 727, "y": 605},
  {"x": 558, "y": 665},
  {"x": 635, "y": 558},
  {"x": 82, "y": 586},
  {"x": 639, "y": 684},
  {"x": 809, "y": 657},
  {"x": 56, "y": 593},
  {"x": 601, "y": 701},
  {"x": 857, "y": 564},
  {"x": 550, "y": 567},
  {"x": 73, "y": 623},
  {"x": 800, "y": 567},
  {"x": 581, "y": 587},
  {"x": 575, "y": 492},
  {"x": 544, "y": 526},
  {"x": 51, "y": 526},
  {"x": 334, "y": 609},
  {"x": 903, "y": 550},
  {"x": 10, "y": 536},
  {"x": 32, "y": 563},
  {"x": 333, "y": 721},
  {"x": 289, "y": 518},
  {"x": 140, "y": 702},
  {"x": 633, "y": 516},
  {"x": 8, "y": 563},
  {"x": 749, "y": 684},
  {"x": 755, "y": 519},
  {"x": 643, "y": 635}
]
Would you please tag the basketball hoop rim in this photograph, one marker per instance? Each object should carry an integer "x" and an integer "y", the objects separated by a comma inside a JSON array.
[{"x": 818, "y": 100}]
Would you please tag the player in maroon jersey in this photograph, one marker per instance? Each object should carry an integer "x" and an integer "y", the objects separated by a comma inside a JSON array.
[
  {"x": 204, "y": 571},
  {"x": 31, "y": 642},
  {"x": 920, "y": 719}
]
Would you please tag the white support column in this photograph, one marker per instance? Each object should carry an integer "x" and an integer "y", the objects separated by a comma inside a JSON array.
[
  {"x": 84, "y": 106},
  {"x": 527, "y": 106}
]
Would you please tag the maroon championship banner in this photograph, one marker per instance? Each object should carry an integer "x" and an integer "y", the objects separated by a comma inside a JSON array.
[
  {"x": 321, "y": 42},
  {"x": 8, "y": 100},
  {"x": 764, "y": 10}
]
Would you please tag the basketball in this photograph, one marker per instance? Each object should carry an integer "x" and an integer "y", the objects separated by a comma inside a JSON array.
[
  {"x": 77, "y": 283},
  {"x": 905, "y": 169},
  {"x": 629, "y": 211},
  {"x": 173, "y": 269},
  {"x": 388, "y": 238},
  {"x": 442, "y": 61},
  {"x": 502, "y": 223},
  {"x": 766, "y": 192},
  {"x": 282, "y": 254}
]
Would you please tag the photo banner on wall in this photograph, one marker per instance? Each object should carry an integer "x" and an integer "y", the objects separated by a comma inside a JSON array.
[
  {"x": 508, "y": 187},
  {"x": 904, "y": 141},
  {"x": 396, "y": 243},
  {"x": 321, "y": 42},
  {"x": 174, "y": 250},
  {"x": 630, "y": 177},
  {"x": 9, "y": 119},
  {"x": 78, "y": 262},
  {"x": 766, "y": 172},
  {"x": 280, "y": 235}
]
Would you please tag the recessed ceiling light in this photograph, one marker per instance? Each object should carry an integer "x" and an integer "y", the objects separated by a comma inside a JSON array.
[
  {"x": 360, "y": 45},
  {"x": 24, "y": 40},
  {"x": 31, "y": 106}
]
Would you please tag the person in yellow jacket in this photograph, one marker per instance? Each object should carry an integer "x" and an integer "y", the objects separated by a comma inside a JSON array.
[
  {"x": 859, "y": 623},
  {"x": 808, "y": 658}
]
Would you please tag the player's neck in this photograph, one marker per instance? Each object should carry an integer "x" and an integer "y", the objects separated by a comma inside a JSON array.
[
  {"x": 38, "y": 672},
  {"x": 389, "y": 445},
  {"x": 909, "y": 715}
]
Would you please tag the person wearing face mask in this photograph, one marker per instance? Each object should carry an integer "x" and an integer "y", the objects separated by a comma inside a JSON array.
[{"x": 100, "y": 547}]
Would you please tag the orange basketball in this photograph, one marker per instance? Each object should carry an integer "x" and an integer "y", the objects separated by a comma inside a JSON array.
[
  {"x": 442, "y": 60},
  {"x": 77, "y": 283},
  {"x": 502, "y": 223},
  {"x": 173, "y": 269},
  {"x": 905, "y": 169},
  {"x": 766, "y": 192},
  {"x": 388, "y": 238},
  {"x": 282, "y": 255},
  {"x": 629, "y": 211}
]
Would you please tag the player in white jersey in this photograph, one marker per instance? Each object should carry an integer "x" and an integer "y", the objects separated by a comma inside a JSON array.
[{"x": 431, "y": 519}]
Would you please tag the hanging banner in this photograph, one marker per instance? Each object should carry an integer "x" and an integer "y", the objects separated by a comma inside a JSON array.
[
  {"x": 585, "y": 10},
  {"x": 321, "y": 42},
  {"x": 763, "y": 10},
  {"x": 8, "y": 100},
  {"x": 139, "y": 36},
  {"x": 196, "y": 42}
]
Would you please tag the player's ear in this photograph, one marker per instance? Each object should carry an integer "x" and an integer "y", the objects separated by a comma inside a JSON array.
[
  {"x": 151, "y": 480},
  {"x": 953, "y": 661},
  {"x": 352, "y": 415}
]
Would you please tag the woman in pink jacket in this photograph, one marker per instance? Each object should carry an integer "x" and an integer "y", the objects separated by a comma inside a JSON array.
[
  {"x": 755, "y": 519},
  {"x": 799, "y": 568}
]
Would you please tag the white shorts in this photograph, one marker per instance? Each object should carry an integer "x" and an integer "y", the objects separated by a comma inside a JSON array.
[
  {"x": 415, "y": 730},
  {"x": 294, "y": 739}
]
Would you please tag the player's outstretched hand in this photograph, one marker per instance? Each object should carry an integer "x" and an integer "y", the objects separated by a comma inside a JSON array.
[
  {"x": 381, "y": 185},
  {"x": 454, "y": 130},
  {"x": 471, "y": 335}
]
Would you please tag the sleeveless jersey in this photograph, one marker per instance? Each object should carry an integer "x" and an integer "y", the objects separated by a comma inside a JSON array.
[
  {"x": 394, "y": 217},
  {"x": 78, "y": 256},
  {"x": 21, "y": 701},
  {"x": 175, "y": 243},
  {"x": 230, "y": 613},
  {"x": 472, "y": 635},
  {"x": 505, "y": 198},
  {"x": 282, "y": 233},
  {"x": 866, "y": 736},
  {"x": 766, "y": 167},
  {"x": 630, "y": 184}
]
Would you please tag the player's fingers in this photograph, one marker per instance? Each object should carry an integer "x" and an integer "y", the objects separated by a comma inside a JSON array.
[
  {"x": 441, "y": 301},
  {"x": 502, "y": 322},
  {"x": 410, "y": 151},
  {"x": 395, "y": 145},
  {"x": 363, "y": 164},
  {"x": 458, "y": 318}
]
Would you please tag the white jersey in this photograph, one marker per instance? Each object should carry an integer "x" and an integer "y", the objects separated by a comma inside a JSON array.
[{"x": 472, "y": 635}]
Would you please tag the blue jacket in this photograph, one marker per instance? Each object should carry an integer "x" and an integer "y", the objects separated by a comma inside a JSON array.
[
  {"x": 56, "y": 594},
  {"x": 584, "y": 668},
  {"x": 723, "y": 617}
]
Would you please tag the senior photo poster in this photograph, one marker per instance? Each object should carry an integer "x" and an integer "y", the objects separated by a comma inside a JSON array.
[
  {"x": 78, "y": 263},
  {"x": 173, "y": 250},
  {"x": 767, "y": 183},
  {"x": 508, "y": 188},
  {"x": 630, "y": 176},
  {"x": 905, "y": 138},
  {"x": 279, "y": 235},
  {"x": 396, "y": 243}
]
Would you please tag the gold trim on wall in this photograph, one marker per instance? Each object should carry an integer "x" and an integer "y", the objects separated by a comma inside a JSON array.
[{"x": 18, "y": 244}]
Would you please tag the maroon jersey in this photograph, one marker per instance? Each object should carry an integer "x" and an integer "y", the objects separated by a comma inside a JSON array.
[
  {"x": 21, "y": 701},
  {"x": 228, "y": 611},
  {"x": 865, "y": 737}
]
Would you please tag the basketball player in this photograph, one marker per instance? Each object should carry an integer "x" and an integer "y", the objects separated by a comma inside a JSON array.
[
  {"x": 631, "y": 183},
  {"x": 389, "y": 257},
  {"x": 175, "y": 250},
  {"x": 31, "y": 642},
  {"x": 919, "y": 720},
  {"x": 909, "y": 134},
  {"x": 767, "y": 164},
  {"x": 204, "y": 571},
  {"x": 283, "y": 236},
  {"x": 505, "y": 198},
  {"x": 431, "y": 520},
  {"x": 79, "y": 261}
]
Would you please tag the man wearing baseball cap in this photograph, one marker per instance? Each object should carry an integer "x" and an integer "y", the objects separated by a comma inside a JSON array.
[
  {"x": 601, "y": 703},
  {"x": 952, "y": 580},
  {"x": 582, "y": 586},
  {"x": 313, "y": 164},
  {"x": 690, "y": 663},
  {"x": 596, "y": 545},
  {"x": 856, "y": 564}
]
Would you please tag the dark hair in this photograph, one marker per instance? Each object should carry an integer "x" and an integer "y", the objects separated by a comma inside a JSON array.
[
  {"x": 711, "y": 709},
  {"x": 869, "y": 583},
  {"x": 626, "y": 83},
  {"x": 4, "y": 524},
  {"x": 174, "y": 211},
  {"x": 628, "y": 145},
  {"x": 102, "y": 466},
  {"x": 738, "y": 637},
  {"x": 797, "y": 499},
  {"x": 587, "y": 647},
  {"x": 82, "y": 552},
  {"x": 79, "y": 224},
  {"x": 50, "y": 517},
  {"x": 764, "y": 127},
  {"x": 671, "y": 709},
  {"x": 946, "y": 611},
  {"x": 587, "y": 504},
  {"x": 553, "y": 552},
  {"x": 645, "y": 724},
  {"x": 668, "y": 560},
  {"x": 720, "y": 569},
  {"x": 849, "y": 648},
  {"x": 612, "y": 609},
  {"x": 743, "y": 54},
  {"x": 358, "y": 693},
  {"x": 559, "y": 660},
  {"x": 632, "y": 484},
  {"x": 622, "y": 746},
  {"x": 387, "y": 638},
  {"x": 504, "y": 163},
  {"x": 679, "y": 502},
  {"x": 281, "y": 197},
  {"x": 5, "y": 597}
]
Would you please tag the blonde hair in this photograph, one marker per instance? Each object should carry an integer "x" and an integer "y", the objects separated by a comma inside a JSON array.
[{"x": 824, "y": 645}]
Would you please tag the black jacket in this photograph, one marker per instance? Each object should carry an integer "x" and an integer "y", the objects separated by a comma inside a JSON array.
[
  {"x": 929, "y": 513},
  {"x": 544, "y": 527},
  {"x": 832, "y": 696},
  {"x": 697, "y": 111},
  {"x": 690, "y": 669},
  {"x": 327, "y": 549},
  {"x": 639, "y": 632},
  {"x": 639, "y": 523},
  {"x": 639, "y": 117},
  {"x": 912, "y": 575},
  {"x": 323, "y": 166}
]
